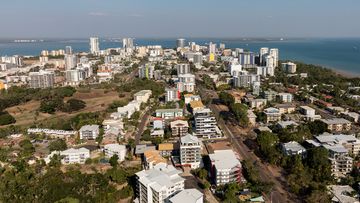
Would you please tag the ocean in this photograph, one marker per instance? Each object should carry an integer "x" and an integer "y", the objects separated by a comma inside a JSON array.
[{"x": 340, "y": 54}]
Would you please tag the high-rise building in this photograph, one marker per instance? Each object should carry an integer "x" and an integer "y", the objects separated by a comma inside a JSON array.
[
  {"x": 147, "y": 71},
  {"x": 275, "y": 53},
  {"x": 198, "y": 58},
  {"x": 42, "y": 79},
  {"x": 70, "y": 61},
  {"x": 186, "y": 83},
  {"x": 172, "y": 94},
  {"x": 263, "y": 52},
  {"x": 212, "y": 48},
  {"x": 158, "y": 184},
  {"x": 190, "y": 151},
  {"x": 180, "y": 43},
  {"x": 182, "y": 68},
  {"x": 244, "y": 79},
  {"x": 128, "y": 43},
  {"x": 246, "y": 58},
  {"x": 205, "y": 124},
  {"x": 68, "y": 50},
  {"x": 222, "y": 46},
  {"x": 94, "y": 45}
]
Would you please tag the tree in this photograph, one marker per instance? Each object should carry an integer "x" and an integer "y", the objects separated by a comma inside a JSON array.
[
  {"x": 317, "y": 127},
  {"x": 6, "y": 118},
  {"x": 57, "y": 145},
  {"x": 114, "y": 161},
  {"x": 240, "y": 112},
  {"x": 267, "y": 142},
  {"x": 73, "y": 105},
  {"x": 319, "y": 164},
  {"x": 226, "y": 98}
]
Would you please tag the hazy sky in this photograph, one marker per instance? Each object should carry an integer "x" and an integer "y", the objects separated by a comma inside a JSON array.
[{"x": 180, "y": 18}]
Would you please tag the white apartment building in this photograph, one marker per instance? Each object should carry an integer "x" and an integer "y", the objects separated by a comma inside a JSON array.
[
  {"x": 188, "y": 196},
  {"x": 186, "y": 83},
  {"x": 289, "y": 67},
  {"x": 169, "y": 113},
  {"x": 244, "y": 79},
  {"x": 73, "y": 156},
  {"x": 205, "y": 124},
  {"x": 190, "y": 97},
  {"x": 89, "y": 132},
  {"x": 225, "y": 167},
  {"x": 94, "y": 45},
  {"x": 70, "y": 61},
  {"x": 190, "y": 151},
  {"x": 158, "y": 184},
  {"x": 42, "y": 79},
  {"x": 265, "y": 71},
  {"x": 183, "y": 68},
  {"x": 285, "y": 97},
  {"x": 172, "y": 94},
  {"x": 112, "y": 149},
  {"x": 143, "y": 96}
]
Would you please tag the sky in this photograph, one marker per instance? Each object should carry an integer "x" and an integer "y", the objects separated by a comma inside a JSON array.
[{"x": 181, "y": 18}]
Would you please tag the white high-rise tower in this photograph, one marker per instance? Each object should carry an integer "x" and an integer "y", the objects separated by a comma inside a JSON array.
[{"x": 94, "y": 45}]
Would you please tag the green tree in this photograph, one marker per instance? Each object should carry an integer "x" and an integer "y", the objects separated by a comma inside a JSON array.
[
  {"x": 226, "y": 98},
  {"x": 57, "y": 145},
  {"x": 114, "y": 161},
  {"x": 6, "y": 118}
]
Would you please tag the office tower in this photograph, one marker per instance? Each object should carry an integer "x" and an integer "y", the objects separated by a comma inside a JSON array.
[
  {"x": 68, "y": 50},
  {"x": 42, "y": 79},
  {"x": 275, "y": 53},
  {"x": 94, "y": 45},
  {"x": 180, "y": 43},
  {"x": 263, "y": 51},
  {"x": 128, "y": 43},
  {"x": 70, "y": 61},
  {"x": 190, "y": 151},
  {"x": 246, "y": 58},
  {"x": 182, "y": 68}
]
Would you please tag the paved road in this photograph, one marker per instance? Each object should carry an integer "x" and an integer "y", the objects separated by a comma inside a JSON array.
[
  {"x": 267, "y": 173},
  {"x": 141, "y": 127}
]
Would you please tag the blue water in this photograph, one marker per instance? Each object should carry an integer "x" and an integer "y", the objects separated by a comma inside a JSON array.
[{"x": 340, "y": 54}]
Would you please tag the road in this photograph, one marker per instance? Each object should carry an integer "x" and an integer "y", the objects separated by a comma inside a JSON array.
[
  {"x": 267, "y": 173},
  {"x": 141, "y": 127}
]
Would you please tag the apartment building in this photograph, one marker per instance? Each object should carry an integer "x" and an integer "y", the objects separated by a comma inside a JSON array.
[
  {"x": 186, "y": 83},
  {"x": 172, "y": 94},
  {"x": 147, "y": 71},
  {"x": 225, "y": 167},
  {"x": 269, "y": 95},
  {"x": 169, "y": 113},
  {"x": 115, "y": 149},
  {"x": 293, "y": 148},
  {"x": 337, "y": 124},
  {"x": 188, "y": 196},
  {"x": 285, "y": 97},
  {"x": 159, "y": 184},
  {"x": 152, "y": 158},
  {"x": 89, "y": 132},
  {"x": 182, "y": 68},
  {"x": 143, "y": 96},
  {"x": 350, "y": 142},
  {"x": 341, "y": 162},
  {"x": 42, "y": 79},
  {"x": 289, "y": 67},
  {"x": 179, "y": 128},
  {"x": 272, "y": 115},
  {"x": 205, "y": 124},
  {"x": 75, "y": 156},
  {"x": 190, "y": 151}
]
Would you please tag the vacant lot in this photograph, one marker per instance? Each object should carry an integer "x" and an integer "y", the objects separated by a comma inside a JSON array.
[{"x": 96, "y": 100}]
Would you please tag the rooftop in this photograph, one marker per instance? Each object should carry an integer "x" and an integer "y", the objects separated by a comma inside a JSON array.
[
  {"x": 293, "y": 146},
  {"x": 196, "y": 104},
  {"x": 342, "y": 194},
  {"x": 188, "y": 196},
  {"x": 89, "y": 128},
  {"x": 224, "y": 159},
  {"x": 179, "y": 123},
  {"x": 335, "y": 121},
  {"x": 154, "y": 156},
  {"x": 189, "y": 139}
]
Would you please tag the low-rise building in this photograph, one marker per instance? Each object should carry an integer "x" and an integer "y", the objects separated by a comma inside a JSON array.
[
  {"x": 190, "y": 151},
  {"x": 70, "y": 156},
  {"x": 337, "y": 124},
  {"x": 190, "y": 97},
  {"x": 169, "y": 113},
  {"x": 158, "y": 184},
  {"x": 351, "y": 116},
  {"x": 196, "y": 105},
  {"x": 152, "y": 158},
  {"x": 350, "y": 142},
  {"x": 252, "y": 117},
  {"x": 188, "y": 196},
  {"x": 142, "y": 96},
  {"x": 269, "y": 95},
  {"x": 257, "y": 103},
  {"x": 179, "y": 128},
  {"x": 166, "y": 149},
  {"x": 225, "y": 167},
  {"x": 309, "y": 113},
  {"x": 343, "y": 194},
  {"x": 272, "y": 115},
  {"x": 285, "y": 97},
  {"x": 286, "y": 108},
  {"x": 115, "y": 149},
  {"x": 89, "y": 132},
  {"x": 293, "y": 148}
]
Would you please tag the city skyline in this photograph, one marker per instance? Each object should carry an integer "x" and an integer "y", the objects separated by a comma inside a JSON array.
[{"x": 163, "y": 19}]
